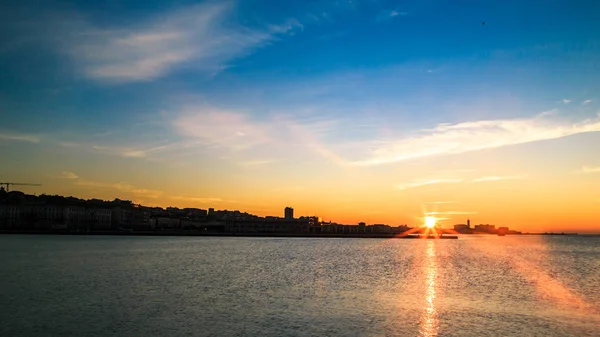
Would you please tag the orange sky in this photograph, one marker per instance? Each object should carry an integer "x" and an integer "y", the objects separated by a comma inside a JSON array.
[
  {"x": 551, "y": 191},
  {"x": 365, "y": 113}
]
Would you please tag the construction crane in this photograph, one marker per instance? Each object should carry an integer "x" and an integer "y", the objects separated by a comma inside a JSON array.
[{"x": 17, "y": 184}]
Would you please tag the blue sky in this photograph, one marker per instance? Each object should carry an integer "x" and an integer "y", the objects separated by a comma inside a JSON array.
[
  {"x": 223, "y": 86},
  {"x": 271, "y": 56}
]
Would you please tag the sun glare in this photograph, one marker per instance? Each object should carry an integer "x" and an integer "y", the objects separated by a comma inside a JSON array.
[{"x": 430, "y": 221}]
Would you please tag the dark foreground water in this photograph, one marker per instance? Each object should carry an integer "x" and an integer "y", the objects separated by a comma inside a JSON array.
[{"x": 168, "y": 286}]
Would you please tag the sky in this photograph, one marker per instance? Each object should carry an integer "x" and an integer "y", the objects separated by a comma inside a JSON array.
[{"x": 374, "y": 111}]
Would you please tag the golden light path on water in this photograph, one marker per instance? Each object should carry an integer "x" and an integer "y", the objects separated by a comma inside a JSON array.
[{"x": 429, "y": 316}]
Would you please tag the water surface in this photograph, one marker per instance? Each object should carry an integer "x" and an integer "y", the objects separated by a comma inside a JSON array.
[{"x": 178, "y": 286}]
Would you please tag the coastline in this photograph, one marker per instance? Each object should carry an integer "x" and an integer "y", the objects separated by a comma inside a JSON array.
[{"x": 218, "y": 234}]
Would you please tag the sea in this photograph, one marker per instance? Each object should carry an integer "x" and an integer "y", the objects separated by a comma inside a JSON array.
[{"x": 53, "y": 285}]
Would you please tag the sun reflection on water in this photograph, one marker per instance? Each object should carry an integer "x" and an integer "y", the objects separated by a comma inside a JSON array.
[{"x": 429, "y": 317}]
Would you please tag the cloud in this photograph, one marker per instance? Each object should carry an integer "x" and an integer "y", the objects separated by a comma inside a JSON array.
[
  {"x": 450, "y": 213},
  {"x": 199, "y": 200},
  {"x": 198, "y": 36},
  {"x": 218, "y": 128},
  {"x": 120, "y": 186},
  {"x": 586, "y": 101},
  {"x": 309, "y": 132},
  {"x": 138, "y": 192},
  {"x": 196, "y": 129},
  {"x": 130, "y": 152},
  {"x": 588, "y": 169},
  {"x": 274, "y": 134},
  {"x": 20, "y": 137},
  {"x": 463, "y": 137},
  {"x": 69, "y": 175},
  {"x": 497, "y": 178},
  {"x": 549, "y": 113},
  {"x": 425, "y": 182},
  {"x": 396, "y": 13},
  {"x": 388, "y": 14},
  {"x": 566, "y": 101},
  {"x": 419, "y": 183},
  {"x": 254, "y": 163}
]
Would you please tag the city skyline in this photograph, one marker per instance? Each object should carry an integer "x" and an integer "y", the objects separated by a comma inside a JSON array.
[
  {"x": 27, "y": 203},
  {"x": 56, "y": 214},
  {"x": 373, "y": 111}
]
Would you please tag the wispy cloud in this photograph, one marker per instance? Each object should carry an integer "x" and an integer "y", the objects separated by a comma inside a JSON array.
[
  {"x": 425, "y": 182},
  {"x": 138, "y": 192},
  {"x": 200, "y": 200},
  {"x": 308, "y": 133},
  {"x": 586, "y": 101},
  {"x": 20, "y": 137},
  {"x": 254, "y": 163},
  {"x": 497, "y": 178},
  {"x": 216, "y": 127},
  {"x": 121, "y": 186},
  {"x": 451, "y": 213},
  {"x": 235, "y": 131},
  {"x": 199, "y": 36},
  {"x": 588, "y": 169},
  {"x": 204, "y": 128},
  {"x": 69, "y": 175},
  {"x": 419, "y": 183},
  {"x": 566, "y": 101},
  {"x": 389, "y": 14},
  {"x": 463, "y": 137},
  {"x": 268, "y": 135},
  {"x": 130, "y": 152}
]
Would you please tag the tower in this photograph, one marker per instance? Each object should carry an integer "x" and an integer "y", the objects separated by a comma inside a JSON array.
[
  {"x": 468, "y": 223},
  {"x": 289, "y": 213}
]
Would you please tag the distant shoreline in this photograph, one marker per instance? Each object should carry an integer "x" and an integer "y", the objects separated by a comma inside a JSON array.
[
  {"x": 272, "y": 235},
  {"x": 217, "y": 234}
]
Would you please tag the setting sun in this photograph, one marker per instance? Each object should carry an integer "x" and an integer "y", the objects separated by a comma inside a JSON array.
[{"x": 430, "y": 221}]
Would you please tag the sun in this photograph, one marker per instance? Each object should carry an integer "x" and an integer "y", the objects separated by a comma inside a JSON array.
[{"x": 430, "y": 221}]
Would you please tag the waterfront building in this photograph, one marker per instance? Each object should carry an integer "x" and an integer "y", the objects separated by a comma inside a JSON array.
[
  {"x": 75, "y": 216},
  {"x": 289, "y": 213},
  {"x": 269, "y": 225},
  {"x": 462, "y": 228},
  {"x": 99, "y": 218},
  {"x": 485, "y": 228}
]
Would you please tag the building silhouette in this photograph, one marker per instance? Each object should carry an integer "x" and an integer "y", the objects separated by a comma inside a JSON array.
[
  {"x": 55, "y": 213},
  {"x": 464, "y": 229},
  {"x": 289, "y": 213}
]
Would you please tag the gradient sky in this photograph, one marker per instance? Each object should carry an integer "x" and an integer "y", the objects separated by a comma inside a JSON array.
[{"x": 376, "y": 111}]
